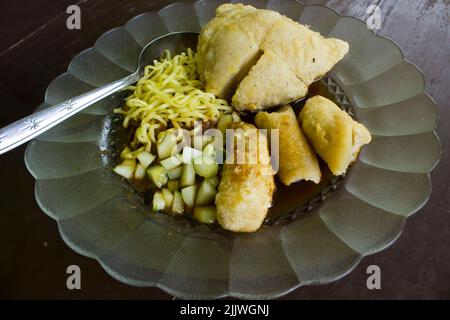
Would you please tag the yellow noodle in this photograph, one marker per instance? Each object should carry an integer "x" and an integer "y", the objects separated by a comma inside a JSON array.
[{"x": 169, "y": 94}]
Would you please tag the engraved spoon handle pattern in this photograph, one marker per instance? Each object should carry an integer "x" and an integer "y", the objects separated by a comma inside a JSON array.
[{"x": 23, "y": 130}]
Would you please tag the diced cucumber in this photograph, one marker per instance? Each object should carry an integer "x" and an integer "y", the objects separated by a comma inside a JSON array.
[
  {"x": 188, "y": 194},
  {"x": 175, "y": 173},
  {"x": 206, "y": 194},
  {"x": 158, "y": 175},
  {"x": 168, "y": 197},
  {"x": 200, "y": 141},
  {"x": 139, "y": 172},
  {"x": 187, "y": 175},
  {"x": 190, "y": 154},
  {"x": 206, "y": 167},
  {"x": 171, "y": 163},
  {"x": 205, "y": 214},
  {"x": 126, "y": 153},
  {"x": 163, "y": 133},
  {"x": 145, "y": 158},
  {"x": 173, "y": 185},
  {"x": 125, "y": 171},
  {"x": 158, "y": 201},
  {"x": 213, "y": 181},
  {"x": 167, "y": 146},
  {"x": 209, "y": 151},
  {"x": 129, "y": 162},
  {"x": 224, "y": 122},
  {"x": 178, "y": 204}
]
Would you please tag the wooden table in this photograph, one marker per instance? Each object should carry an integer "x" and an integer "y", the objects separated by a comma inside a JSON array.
[{"x": 36, "y": 46}]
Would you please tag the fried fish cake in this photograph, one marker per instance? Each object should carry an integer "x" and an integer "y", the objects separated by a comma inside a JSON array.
[
  {"x": 257, "y": 90},
  {"x": 245, "y": 190},
  {"x": 296, "y": 157},
  {"x": 335, "y": 136},
  {"x": 228, "y": 46},
  {"x": 308, "y": 54},
  {"x": 260, "y": 58}
]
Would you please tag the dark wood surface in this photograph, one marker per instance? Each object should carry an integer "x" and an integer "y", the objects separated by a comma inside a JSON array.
[{"x": 35, "y": 47}]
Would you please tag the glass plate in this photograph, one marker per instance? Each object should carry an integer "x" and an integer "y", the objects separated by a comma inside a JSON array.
[{"x": 319, "y": 241}]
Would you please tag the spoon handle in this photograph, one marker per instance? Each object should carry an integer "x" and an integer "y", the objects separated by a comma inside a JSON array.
[{"x": 23, "y": 130}]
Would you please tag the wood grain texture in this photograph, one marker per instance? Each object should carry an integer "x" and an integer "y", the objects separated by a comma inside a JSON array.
[
  {"x": 37, "y": 48},
  {"x": 27, "y": 22}
]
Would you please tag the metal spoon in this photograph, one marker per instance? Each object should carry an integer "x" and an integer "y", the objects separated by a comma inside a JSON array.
[{"x": 23, "y": 130}]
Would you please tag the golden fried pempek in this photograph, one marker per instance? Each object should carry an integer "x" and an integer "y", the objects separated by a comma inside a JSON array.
[
  {"x": 296, "y": 157},
  {"x": 246, "y": 189},
  {"x": 335, "y": 136},
  {"x": 262, "y": 57}
]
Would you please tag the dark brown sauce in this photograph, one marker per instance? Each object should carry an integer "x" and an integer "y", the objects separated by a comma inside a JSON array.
[{"x": 288, "y": 198}]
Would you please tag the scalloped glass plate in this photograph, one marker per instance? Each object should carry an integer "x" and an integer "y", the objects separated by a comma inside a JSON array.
[{"x": 316, "y": 242}]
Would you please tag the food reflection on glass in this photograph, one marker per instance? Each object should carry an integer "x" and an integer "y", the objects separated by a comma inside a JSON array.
[{"x": 189, "y": 147}]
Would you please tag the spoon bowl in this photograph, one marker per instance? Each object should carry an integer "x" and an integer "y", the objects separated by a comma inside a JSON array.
[{"x": 176, "y": 43}]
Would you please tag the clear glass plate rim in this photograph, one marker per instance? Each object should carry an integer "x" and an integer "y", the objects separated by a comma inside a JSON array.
[{"x": 283, "y": 292}]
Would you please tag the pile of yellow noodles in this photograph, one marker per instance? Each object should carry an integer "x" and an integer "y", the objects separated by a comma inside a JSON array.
[{"x": 169, "y": 95}]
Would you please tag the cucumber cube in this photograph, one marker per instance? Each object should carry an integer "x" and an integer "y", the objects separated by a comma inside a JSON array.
[
  {"x": 206, "y": 166},
  {"x": 158, "y": 175},
  {"x": 167, "y": 146},
  {"x": 200, "y": 141},
  {"x": 139, "y": 173},
  {"x": 209, "y": 151},
  {"x": 188, "y": 194},
  {"x": 177, "y": 204},
  {"x": 190, "y": 154},
  {"x": 129, "y": 163},
  {"x": 168, "y": 197},
  {"x": 158, "y": 202},
  {"x": 145, "y": 158},
  {"x": 126, "y": 153},
  {"x": 205, "y": 214},
  {"x": 124, "y": 170},
  {"x": 206, "y": 194},
  {"x": 171, "y": 163},
  {"x": 213, "y": 181},
  {"x": 187, "y": 175},
  {"x": 173, "y": 185},
  {"x": 175, "y": 173}
]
